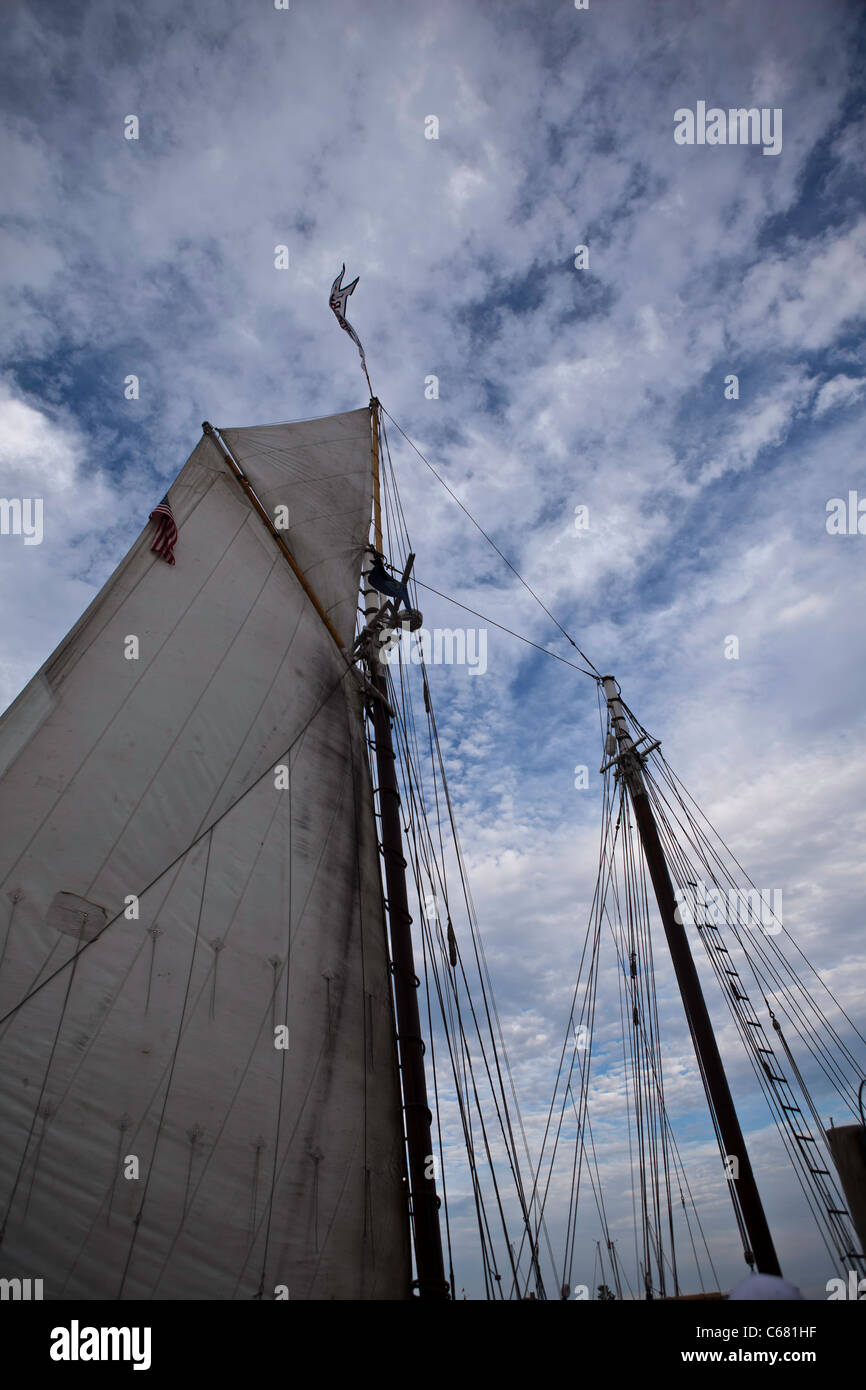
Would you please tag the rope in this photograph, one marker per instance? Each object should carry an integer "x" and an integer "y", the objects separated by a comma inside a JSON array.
[
  {"x": 429, "y": 862},
  {"x": 150, "y": 1166},
  {"x": 502, "y": 628},
  {"x": 492, "y": 543}
]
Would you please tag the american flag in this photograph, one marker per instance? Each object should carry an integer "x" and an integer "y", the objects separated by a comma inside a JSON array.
[{"x": 166, "y": 531}]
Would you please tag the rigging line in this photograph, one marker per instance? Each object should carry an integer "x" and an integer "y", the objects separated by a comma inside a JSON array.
[
  {"x": 681, "y": 1170},
  {"x": 679, "y": 1166},
  {"x": 692, "y": 1241},
  {"x": 509, "y": 1136},
  {"x": 627, "y": 1094},
  {"x": 704, "y": 848},
  {"x": 605, "y": 860},
  {"x": 739, "y": 1016},
  {"x": 512, "y": 1157},
  {"x": 487, "y": 1254},
  {"x": 787, "y": 1004},
  {"x": 635, "y": 1041},
  {"x": 658, "y": 1075},
  {"x": 598, "y": 1195},
  {"x": 685, "y": 794},
  {"x": 38, "y": 1104},
  {"x": 483, "y": 971},
  {"x": 641, "y": 1047},
  {"x": 825, "y": 1200},
  {"x": 44, "y": 966},
  {"x": 137, "y": 1219},
  {"x": 665, "y": 834},
  {"x": 438, "y": 1117},
  {"x": 454, "y": 1047},
  {"x": 458, "y": 1047},
  {"x": 478, "y": 944},
  {"x": 540, "y": 1199},
  {"x": 588, "y": 1009},
  {"x": 207, "y": 830},
  {"x": 392, "y": 488},
  {"x": 492, "y": 543},
  {"x": 510, "y": 631},
  {"x": 608, "y": 855},
  {"x": 598, "y": 895},
  {"x": 815, "y": 1200},
  {"x": 410, "y": 781},
  {"x": 582, "y": 1116},
  {"x": 654, "y": 1001},
  {"x": 788, "y": 1001}
]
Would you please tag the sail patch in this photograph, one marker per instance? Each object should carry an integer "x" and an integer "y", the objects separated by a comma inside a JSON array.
[{"x": 76, "y": 916}]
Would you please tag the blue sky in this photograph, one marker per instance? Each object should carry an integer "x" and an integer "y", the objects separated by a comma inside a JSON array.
[{"x": 558, "y": 387}]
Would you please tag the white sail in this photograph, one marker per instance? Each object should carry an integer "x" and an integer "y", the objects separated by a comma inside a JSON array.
[{"x": 156, "y": 1142}]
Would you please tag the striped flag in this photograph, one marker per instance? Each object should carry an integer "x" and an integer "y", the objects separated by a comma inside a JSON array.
[{"x": 166, "y": 531}]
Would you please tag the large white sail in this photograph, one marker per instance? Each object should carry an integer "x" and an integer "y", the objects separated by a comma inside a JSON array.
[{"x": 156, "y": 1142}]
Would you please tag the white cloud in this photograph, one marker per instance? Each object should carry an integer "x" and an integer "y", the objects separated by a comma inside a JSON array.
[
  {"x": 42, "y": 457},
  {"x": 839, "y": 390}
]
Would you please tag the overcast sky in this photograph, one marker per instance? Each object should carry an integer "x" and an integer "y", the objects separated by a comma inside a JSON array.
[{"x": 558, "y": 387}]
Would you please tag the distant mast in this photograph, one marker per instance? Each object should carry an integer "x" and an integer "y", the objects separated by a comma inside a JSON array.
[{"x": 745, "y": 1194}]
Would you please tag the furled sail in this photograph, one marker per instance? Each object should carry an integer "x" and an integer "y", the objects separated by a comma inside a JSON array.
[{"x": 189, "y": 880}]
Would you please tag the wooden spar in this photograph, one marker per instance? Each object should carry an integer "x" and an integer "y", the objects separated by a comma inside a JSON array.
[
  {"x": 410, "y": 1045},
  {"x": 377, "y": 508},
  {"x": 419, "y": 1142},
  {"x": 214, "y": 434},
  {"x": 706, "y": 1049}
]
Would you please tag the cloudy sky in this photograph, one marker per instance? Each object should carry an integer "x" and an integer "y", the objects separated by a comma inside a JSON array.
[{"x": 601, "y": 387}]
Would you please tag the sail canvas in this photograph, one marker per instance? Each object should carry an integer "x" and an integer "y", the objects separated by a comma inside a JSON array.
[{"x": 199, "y": 1094}]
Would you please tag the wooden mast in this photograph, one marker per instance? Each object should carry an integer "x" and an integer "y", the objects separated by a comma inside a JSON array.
[
  {"x": 429, "y": 1262},
  {"x": 745, "y": 1193}
]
